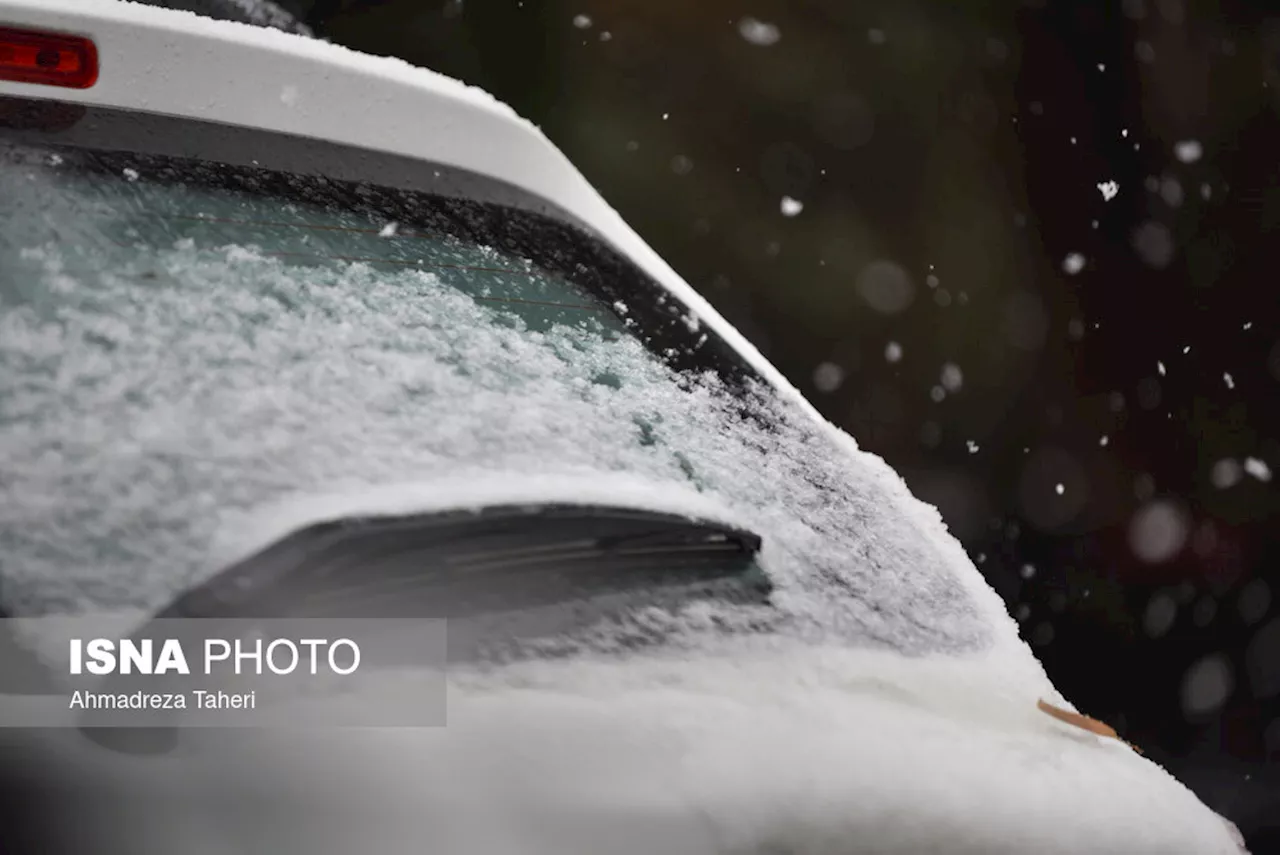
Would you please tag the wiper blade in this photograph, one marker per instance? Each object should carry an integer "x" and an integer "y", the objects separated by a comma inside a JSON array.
[
  {"x": 461, "y": 563},
  {"x": 499, "y": 573}
]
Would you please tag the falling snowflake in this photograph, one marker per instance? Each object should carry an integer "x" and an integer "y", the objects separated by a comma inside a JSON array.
[
  {"x": 1188, "y": 151},
  {"x": 791, "y": 207},
  {"x": 1227, "y": 378},
  {"x": 893, "y": 351},
  {"x": 1225, "y": 473},
  {"x": 389, "y": 230},
  {"x": 972, "y": 446},
  {"x": 582, "y": 22},
  {"x": 1257, "y": 468},
  {"x": 1160, "y": 368},
  {"x": 1108, "y": 189},
  {"x": 130, "y": 174},
  {"x": 1206, "y": 685},
  {"x": 952, "y": 378},
  {"x": 1073, "y": 263},
  {"x": 1103, "y": 440},
  {"x": 1158, "y": 530},
  {"x": 827, "y": 377},
  {"x": 1060, "y": 489},
  {"x": 759, "y": 32}
]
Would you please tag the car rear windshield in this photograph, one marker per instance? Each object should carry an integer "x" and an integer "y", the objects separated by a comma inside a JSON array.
[{"x": 188, "y": 340}]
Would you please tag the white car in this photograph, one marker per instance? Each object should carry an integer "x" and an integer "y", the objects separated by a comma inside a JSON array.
[{"x": 253, "y": 285}]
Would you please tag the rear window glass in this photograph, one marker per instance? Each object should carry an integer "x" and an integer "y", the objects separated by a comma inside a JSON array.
[{"x": 184, "y": 344}]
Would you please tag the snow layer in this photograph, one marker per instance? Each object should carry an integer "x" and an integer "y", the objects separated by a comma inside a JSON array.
[
  {"x": 781, "y": 749},
  {"x": 262, "y": 13},
  {"x": 158, "y": 404},
  {"x": 167, "y": 409},
  {"x": 115, "y": 426},
  {"x": 334, "y": 93}
]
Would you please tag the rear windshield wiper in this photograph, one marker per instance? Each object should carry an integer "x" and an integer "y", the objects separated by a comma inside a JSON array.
[
  {"x": 514, "y": 571},
  {"x": 459, "y": 564}
]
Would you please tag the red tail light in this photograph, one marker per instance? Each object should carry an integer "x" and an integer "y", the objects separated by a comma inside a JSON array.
[{"x": 47, "y": 59}]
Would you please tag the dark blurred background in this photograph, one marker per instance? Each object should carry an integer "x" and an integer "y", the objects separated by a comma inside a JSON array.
[{"x": 1019, "y": 249}]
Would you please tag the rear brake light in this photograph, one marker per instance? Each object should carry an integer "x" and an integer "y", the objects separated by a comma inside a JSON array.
[{"x": 47, "y": 59}]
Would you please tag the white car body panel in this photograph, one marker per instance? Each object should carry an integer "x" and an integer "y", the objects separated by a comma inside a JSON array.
[{"x": 861, "y": 771}]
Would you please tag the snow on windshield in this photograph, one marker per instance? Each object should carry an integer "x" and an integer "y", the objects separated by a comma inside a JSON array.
[{"x": 158, "y": 391}]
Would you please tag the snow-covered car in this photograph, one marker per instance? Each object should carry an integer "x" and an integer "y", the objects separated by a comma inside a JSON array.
[{"x": 254, "y": 287}]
